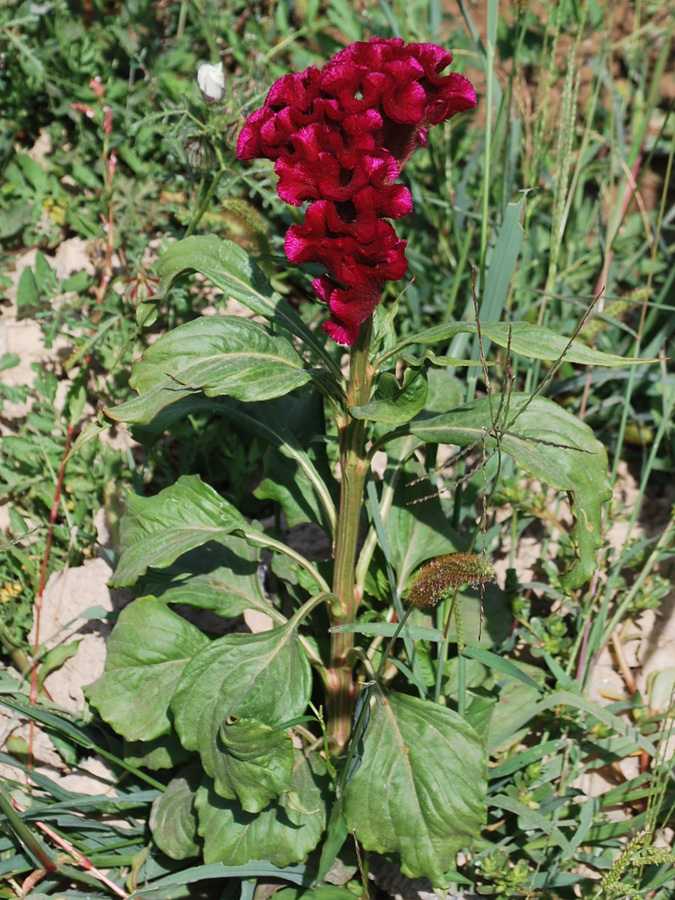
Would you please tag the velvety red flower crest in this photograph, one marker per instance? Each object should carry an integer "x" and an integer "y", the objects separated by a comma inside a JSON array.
[{"x": 339, "y": 137}]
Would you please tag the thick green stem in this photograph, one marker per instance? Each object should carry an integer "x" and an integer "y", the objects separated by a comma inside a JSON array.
[{"x": 340, "y": 687}]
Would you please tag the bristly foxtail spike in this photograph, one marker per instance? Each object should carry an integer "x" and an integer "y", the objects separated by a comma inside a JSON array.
[{"x": 433, "y": 581}]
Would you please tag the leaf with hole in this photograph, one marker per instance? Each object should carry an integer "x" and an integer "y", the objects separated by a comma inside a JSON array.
[{"x": 265, "y": 677}]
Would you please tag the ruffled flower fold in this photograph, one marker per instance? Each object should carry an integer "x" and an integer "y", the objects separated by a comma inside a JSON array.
[{"x": 339, "y": 137}]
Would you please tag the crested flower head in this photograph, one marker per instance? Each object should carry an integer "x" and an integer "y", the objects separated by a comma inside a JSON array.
[{"x": 339, "y": 137}]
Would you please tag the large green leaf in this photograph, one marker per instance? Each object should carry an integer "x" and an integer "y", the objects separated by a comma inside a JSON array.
[
  {"x": 146, "y": 654},
  {"x": 230, "y": 268},
  {"x": 417, "y": 527},
  {"x": 155, "y": 531},
  {"x": 280, "y": 834},
  {"x": 173, "y": 819},
  {"x": 221, "y": 576},
  {"x": 219, "y": 355},
  {"x": 420, "y": 789},
  {"x": 265, "y": 677},
  {"x": 256, "y": 765},
  {"x": 290, "y": 425},
  {"x": 550, "y": 444},
  {"x": 533, "y": 341},
  {"x": 296, "y": 474}
]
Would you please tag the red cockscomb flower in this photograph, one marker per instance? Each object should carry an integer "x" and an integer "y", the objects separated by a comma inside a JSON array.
[{"x": 339, "y": 137}]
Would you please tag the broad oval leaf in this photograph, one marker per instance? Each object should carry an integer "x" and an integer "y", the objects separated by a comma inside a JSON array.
[
  {"x": 257, "y": 676},
  {"x": 173, "y": 820},
  {"x": 421, "y": 786},
  {"x": 280, "y": 834},
  {"x": 146, "y": 654},
  {"x": 221, "y": 576},
  {"x": 549, "y": 443},
  {"x": 155, "y": 531},
  {"x": 219, "y": 355},
  {"x": 256, "y": 764}
]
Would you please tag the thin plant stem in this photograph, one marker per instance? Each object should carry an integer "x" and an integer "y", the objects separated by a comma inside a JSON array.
[
  {"x": 205, "y": 195},
  {"x": 354, "y": 465},
  {"x": 41, "y": 585}
]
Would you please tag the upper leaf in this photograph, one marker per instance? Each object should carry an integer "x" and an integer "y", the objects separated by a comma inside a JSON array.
[
  {"x": 146, "y": 654},
  {"x": 229, "y": 267},
  {"x": 155, "y": 531},
  {"x": 394, "y": 405},
  {"x": 549, "y": 443},
  {"x": 533, "y": 341},
  {"x": 420, "y": 789},
  {"x": 220, "y": 355}
]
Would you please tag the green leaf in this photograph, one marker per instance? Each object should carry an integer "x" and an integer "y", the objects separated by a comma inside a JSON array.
[
  {"x": 533, "y": 341},
  {"x": 155, "y": 531},
  {"x": 173, "y": 819},
  {"x": 164, "y": 752},
  {"x": 146, "y": 654},
  {"x": 229, "y": 267},
  {"x": 295, "y": 477},
  {"x": 516, "y": 697},
  {"x": 550, "y": 444},
  {"x": 27, "y": 292},
  {"x": 485, "y": 621},
  {"x": 221, "y": 576},
  {"x": 502, "y": 263},
  {"x": 417, "y": 527},
  {"x": 55, "y": 658},
  {"x": 163, "y": 887},
  {"x": 530, "y": 820},
  {"x": 220, "y": 355},
  {"x": 256, "y": 763},
  {"x": 280, "y": 835},
  {"x": 395, "y": 405},
  {"x": 265, "y": 677},
  {"x": 445, "y": 391},
  {"x": 500, "y": 664},
  {"x": 421, "y": 786}
]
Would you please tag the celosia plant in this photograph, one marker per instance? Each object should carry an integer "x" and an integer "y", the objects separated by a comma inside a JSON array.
[
  {"x": 339, "y": 137},
  {"x": 316, "y": 730}
]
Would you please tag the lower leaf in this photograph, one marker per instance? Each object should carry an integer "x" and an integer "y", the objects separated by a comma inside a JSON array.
[
  {"x": 173, "y": 820},
  {"x": 421, "y": 786},
  {"x": 279, "y": 834}
]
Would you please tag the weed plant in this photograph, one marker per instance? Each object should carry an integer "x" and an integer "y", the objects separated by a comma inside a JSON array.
[{"x": 534, "y": 211}]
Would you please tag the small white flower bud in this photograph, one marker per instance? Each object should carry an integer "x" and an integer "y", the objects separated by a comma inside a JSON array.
[{"x": 211, "y": 81}]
